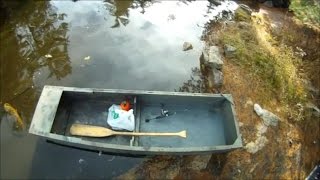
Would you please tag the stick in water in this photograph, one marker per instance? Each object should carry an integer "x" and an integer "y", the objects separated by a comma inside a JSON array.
[{"x": 97, "y": 131}]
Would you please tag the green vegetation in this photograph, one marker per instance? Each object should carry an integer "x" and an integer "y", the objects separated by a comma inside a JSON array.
[
  {"x": 262, "y": 56},
  {"x": 241, "y": 15},
  {"x": 306, "y": 10}
]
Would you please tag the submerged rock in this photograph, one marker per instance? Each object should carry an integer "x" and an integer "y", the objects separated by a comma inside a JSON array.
[
  {"x": 268, "y": 117},
  {"x": 229, "y": 51},
  {"x": 187, "y": 46},
  {"x": 211, "y": 57}
]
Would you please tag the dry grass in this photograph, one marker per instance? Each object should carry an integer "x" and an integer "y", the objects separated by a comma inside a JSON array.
[
  {"x": 269, "y": 76},
  {"x": 277, "y": 160},
  {"x": 297, "y": 35},
  {"x": 272, "y": 64}
]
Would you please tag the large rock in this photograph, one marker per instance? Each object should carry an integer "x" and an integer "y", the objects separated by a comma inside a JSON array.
[
  {"x": 229, "y": 51},
  {"x": 187, "y": 46},
  {"x": 268, "y": 117},
  {"x": 211, "y": 58},
  {"x": 215, "y": 78}
]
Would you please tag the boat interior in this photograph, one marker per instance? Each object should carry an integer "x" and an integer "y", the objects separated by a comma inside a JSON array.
[{"x": 209, "y": 121}]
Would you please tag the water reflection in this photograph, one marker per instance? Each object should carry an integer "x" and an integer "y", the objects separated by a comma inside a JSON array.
[
  {"x": 142, "y": 4},
  {"x": 120, "y": 9},
  {"x": 34, "y": 30},
  {"x": 41, "y": 32},
  {"x": 196, "y": 83},
  {"x": 48, "y": 33},
  {"x": 121, "y": 12},
  {"x": 143, "y": 50}
]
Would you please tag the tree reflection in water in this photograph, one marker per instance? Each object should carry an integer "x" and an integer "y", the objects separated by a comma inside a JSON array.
[
  {"x": 33, "y": 31},
  {"x": 48, "y": 34},
  {"x": 120, "y": 9},
  {"x": 196, "y": 83}
]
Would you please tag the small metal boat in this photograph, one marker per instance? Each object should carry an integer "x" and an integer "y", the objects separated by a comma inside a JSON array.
[{"x": 209, "y": 120}]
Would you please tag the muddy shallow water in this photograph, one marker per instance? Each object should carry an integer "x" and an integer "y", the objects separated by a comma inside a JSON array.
[{"x": 110, "y": 44}]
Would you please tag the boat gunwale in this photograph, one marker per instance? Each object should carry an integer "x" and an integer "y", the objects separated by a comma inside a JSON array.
[
  {"x": 140, "y": 92},
  {"x": 141, "y": 149}
]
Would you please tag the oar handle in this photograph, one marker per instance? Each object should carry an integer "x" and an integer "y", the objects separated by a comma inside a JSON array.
[{"x": 181, "y": 134}]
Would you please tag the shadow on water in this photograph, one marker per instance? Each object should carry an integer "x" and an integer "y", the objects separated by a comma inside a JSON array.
[{"x": 75, "y": 163}]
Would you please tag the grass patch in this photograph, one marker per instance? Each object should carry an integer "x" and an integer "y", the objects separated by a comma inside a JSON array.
[
  {"x": 306, "y": 10},
  {"x": 241, "y": 15},
  {"x": 270, "y": 62}
]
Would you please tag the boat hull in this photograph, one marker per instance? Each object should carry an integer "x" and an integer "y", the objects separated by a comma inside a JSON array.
[{"x": 209, "y": 119}]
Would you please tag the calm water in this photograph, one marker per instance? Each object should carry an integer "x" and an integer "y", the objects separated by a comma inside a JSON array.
[{"x": 111, "y": 44}]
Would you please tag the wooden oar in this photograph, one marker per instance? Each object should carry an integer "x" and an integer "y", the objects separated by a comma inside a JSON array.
[{"x": 97, "y": 131}]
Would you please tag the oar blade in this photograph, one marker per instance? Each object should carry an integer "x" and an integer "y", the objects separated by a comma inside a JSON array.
[
  {"x": 183, "y": 134},
  {"x": 90, "y": 131}
]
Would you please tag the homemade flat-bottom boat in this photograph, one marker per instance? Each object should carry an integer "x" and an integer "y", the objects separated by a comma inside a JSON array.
[{"x": 209, "y": 120}]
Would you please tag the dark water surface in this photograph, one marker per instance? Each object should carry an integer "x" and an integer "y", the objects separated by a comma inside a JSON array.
[{"x": 111, "y": 44}]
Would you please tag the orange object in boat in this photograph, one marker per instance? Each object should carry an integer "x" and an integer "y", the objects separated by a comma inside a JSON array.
[{"x": 125, "y": 105}]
